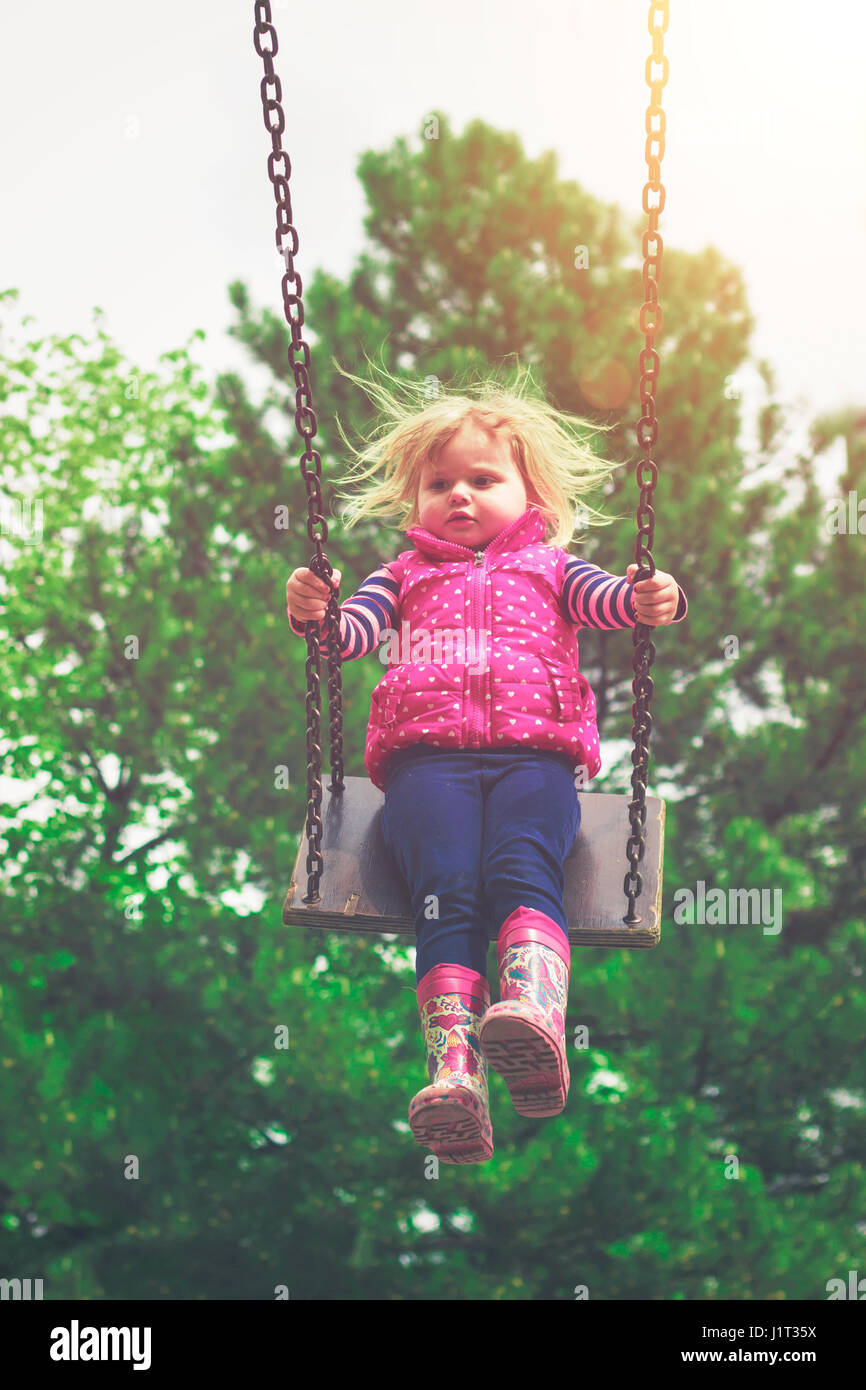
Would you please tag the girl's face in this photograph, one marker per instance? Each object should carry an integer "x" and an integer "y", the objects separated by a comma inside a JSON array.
[{"x": 476, "y": 475}]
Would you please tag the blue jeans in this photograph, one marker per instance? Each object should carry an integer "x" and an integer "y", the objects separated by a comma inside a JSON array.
[{"x": 476, "y": 833}]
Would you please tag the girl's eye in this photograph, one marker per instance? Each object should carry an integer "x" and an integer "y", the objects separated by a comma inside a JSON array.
[{"x": 483, "y": 476}]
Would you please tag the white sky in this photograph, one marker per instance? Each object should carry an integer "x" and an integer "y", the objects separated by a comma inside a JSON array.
[{"x": 134, "y": 152}]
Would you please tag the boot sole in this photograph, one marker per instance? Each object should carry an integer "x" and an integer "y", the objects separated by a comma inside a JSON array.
[
  {"x": 443, "y": 1123},
  {"x": 531, "y": 1065}
]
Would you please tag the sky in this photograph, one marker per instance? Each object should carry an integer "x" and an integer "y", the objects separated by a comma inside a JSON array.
[{"x": 133, "y": 152}]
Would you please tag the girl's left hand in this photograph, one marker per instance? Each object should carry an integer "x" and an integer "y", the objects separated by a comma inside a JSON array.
[{"x": 655, "y": 600}]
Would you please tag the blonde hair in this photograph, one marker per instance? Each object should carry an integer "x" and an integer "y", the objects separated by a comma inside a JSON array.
[{"x": 418, "y": 417}]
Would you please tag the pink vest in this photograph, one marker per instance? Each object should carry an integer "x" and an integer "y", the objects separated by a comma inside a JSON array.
[{"x": 484, "y": 658}]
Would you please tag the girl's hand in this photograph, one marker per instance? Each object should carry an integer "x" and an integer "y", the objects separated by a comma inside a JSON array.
[
  {"x": 655, "y": 600},
  {"x": 307, "y": 595}
]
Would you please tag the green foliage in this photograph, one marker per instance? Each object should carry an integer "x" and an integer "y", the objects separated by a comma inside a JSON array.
[{"x": 157, "y": 1142}]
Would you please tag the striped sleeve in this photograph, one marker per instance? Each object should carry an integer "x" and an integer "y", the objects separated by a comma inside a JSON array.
[
  {"x": 363, "y": 617},
  {"x": 591, "y": 597}
]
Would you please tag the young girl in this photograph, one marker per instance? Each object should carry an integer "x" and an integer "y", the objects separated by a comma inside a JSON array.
[{"x": 480, "y": 724}]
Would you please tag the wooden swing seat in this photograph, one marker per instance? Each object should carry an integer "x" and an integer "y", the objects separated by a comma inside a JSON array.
[{"x": 362, "y": 890}]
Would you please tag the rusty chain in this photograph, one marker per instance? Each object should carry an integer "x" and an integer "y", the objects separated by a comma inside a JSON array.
[
  {"x": 305, "y": 420},
  {"x": 647, "y": 434}
]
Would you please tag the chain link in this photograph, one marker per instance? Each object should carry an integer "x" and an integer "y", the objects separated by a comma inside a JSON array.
[
  {"x": 647, "y": 434},
  {"x": 328, "y": 632}
]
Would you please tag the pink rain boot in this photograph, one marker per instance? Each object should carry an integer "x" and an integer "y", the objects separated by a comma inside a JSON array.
[
  {"x": 523, "y": 1036},
  {"x": 451, "y": 1115}
]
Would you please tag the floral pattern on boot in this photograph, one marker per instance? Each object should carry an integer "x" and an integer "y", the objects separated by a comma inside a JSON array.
[
  {"x": 523, "y": 1036},
  {"x": 535, "y": 974},
  {"x": 451, "y": 1115}
]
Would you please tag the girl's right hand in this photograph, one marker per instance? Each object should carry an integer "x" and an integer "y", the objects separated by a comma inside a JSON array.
[{"x": 307, "y": 595}]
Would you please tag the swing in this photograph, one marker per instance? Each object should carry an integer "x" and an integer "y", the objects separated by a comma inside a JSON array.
[{"x": 353, "y": 884}]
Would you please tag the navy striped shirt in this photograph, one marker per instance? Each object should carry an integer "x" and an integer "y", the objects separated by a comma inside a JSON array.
[{"x": 591, "y": 597}]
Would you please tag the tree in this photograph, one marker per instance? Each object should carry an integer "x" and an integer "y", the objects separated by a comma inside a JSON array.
[{"x": 151, "y": 687}]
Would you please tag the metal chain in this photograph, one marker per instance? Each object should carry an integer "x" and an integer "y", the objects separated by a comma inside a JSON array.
[
  {"x": 647, "y": 434},
  {"x": 327, "y": 633}
]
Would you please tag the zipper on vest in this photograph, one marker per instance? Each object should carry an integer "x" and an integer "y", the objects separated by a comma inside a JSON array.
[{"x": 475, "y": 681}]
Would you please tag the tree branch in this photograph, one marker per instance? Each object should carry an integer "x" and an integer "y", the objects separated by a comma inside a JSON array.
[
  {"x": 108, "y": 792},
  {"x": 149, "y": 844},
  {"x": 702, "y": 1058}
]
